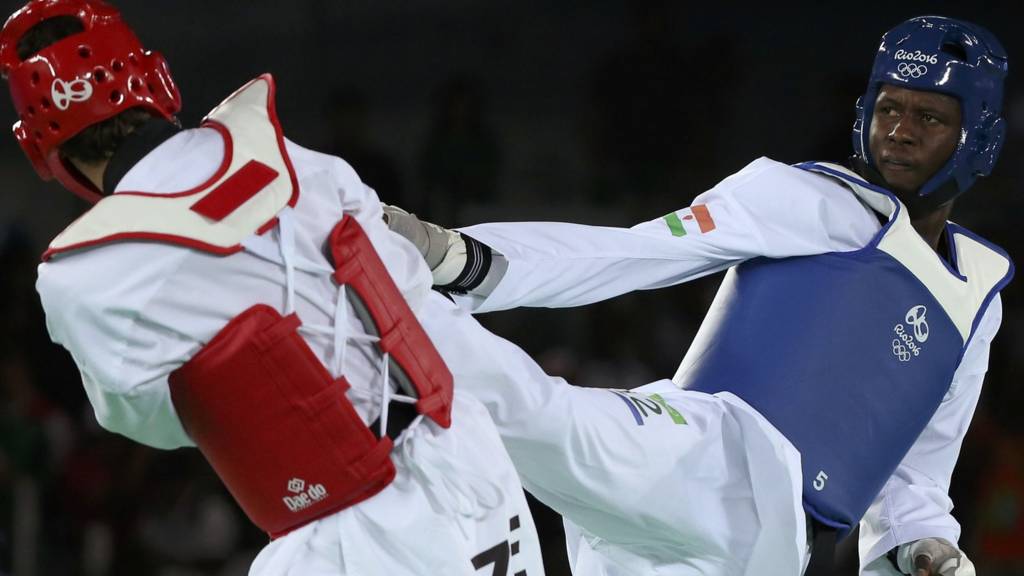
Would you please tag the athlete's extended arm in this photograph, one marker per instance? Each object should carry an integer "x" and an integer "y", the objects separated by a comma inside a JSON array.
[
  {"x": 766, "y": 209},
  {"x": 914, "y": 504}
]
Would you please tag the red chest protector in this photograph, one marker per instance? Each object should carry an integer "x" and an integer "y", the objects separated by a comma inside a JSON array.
[{"x": 265, "y": 412}]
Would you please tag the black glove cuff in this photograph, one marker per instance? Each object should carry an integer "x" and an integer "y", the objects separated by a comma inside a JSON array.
[
  {"x": 892, "y": 556},
  {"x": 478, "y": 264}
]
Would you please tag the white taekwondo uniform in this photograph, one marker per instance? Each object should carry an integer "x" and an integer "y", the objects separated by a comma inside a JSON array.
[
  {"x": 131, "y": 312},
  {"x": 721, "y": 494}
]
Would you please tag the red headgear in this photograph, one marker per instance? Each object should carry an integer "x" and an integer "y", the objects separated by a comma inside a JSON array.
[{"x": 79, "y": 81}]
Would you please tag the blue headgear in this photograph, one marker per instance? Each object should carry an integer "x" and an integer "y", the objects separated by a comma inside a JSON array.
[{"x": 957, "y": 58}]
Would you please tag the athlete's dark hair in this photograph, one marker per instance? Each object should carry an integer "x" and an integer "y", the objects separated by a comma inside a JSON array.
[{"x": 99, "y": 141}]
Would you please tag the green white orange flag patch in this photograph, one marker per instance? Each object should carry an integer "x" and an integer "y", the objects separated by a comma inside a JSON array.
[{"x": 695, "y": 219}]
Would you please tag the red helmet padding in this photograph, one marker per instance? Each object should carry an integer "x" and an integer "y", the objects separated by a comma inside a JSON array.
[{"x": 79, "y": 81}]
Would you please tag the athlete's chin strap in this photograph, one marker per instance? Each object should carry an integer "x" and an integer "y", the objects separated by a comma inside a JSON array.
[{"x": 441, "y": 472}]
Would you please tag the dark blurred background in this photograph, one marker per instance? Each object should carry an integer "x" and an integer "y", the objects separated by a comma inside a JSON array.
[{"x": 602, "y": 112}]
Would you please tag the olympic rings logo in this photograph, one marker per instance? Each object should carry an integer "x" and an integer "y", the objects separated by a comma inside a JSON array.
[
  {"x": 64, "y": 93},
  {"x": 911, "y": 69},
  {"x": 900, "y": 351}
]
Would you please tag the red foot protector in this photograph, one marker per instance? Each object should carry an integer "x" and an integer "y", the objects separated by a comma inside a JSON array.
[
  {"x": 276, "y": 426},
  {"x": 359, "y": 267}
]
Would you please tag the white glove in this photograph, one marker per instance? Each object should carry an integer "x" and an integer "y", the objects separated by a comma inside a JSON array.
[
  {"x": 933, "y": 557},
  {"x": 444, "y": 250}
]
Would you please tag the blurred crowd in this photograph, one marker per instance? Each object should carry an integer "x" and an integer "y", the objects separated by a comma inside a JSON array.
[{"x": 75, "y": 499}]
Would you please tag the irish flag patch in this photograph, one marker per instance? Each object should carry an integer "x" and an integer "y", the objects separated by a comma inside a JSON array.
[{"x": 696, "y": 218}]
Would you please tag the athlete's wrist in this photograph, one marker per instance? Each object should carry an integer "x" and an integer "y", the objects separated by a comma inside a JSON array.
[
  {"x": 458, "y": 263},
  {"x": 472, "y": 267}
]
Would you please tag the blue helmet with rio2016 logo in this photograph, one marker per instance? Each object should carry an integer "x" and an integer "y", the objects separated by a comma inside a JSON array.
[{"x": 952, "y": 57}]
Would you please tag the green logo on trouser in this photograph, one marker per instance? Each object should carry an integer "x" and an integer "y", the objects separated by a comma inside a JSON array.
[{"x": 642, "y": 406}]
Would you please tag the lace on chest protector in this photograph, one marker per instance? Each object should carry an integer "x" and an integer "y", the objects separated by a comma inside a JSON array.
[
  {"x": 451, "y": 484},
  {"x": 283, "y": 253}
]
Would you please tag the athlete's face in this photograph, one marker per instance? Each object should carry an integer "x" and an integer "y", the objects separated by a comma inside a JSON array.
[{"x": 913, "y": 133}]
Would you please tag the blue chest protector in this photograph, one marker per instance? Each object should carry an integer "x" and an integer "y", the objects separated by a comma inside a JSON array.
[{"x": 848, "y": 354}]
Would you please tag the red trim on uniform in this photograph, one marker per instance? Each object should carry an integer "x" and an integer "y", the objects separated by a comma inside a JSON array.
[
  {"x": 225, "y": 164},
  {"x": 235, "y": 191},
  {"x": 267, "y": 227},
  {"x": 704, "y": 220},
  {"x": 229, "y": 153},
  {"x": 272, "y": 109},
  {"x": 151, "y": 236}
]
